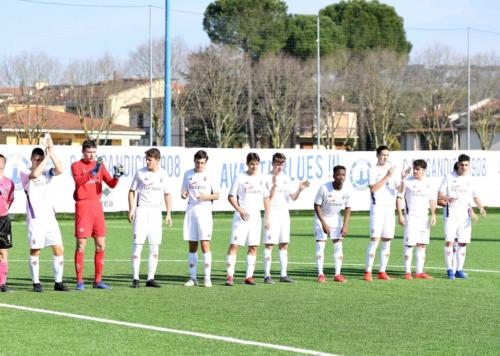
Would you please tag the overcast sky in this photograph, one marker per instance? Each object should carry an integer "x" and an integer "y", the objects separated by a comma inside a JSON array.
[{"x": 75, "y": 32}]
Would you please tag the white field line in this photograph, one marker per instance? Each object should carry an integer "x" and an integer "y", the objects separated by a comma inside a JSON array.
[
  {"x": 276, "y": 262},
  {"x": 167, "y": 330}
]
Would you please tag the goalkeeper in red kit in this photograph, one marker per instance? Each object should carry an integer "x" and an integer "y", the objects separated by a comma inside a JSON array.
[{"x": 89, "y": 174}]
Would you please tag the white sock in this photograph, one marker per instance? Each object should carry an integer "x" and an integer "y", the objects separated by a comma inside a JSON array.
[
  {"x": 58, "y": 268},
  {"x": 193, "y": 261},
  {"x": 461, "y": 257},
  {"x": 153, "y": 260},
  {"x": 267, "y": 262},
  {"x": 338, "y": 256},
  {"x": 251, "y": 259},
  {"x": 207, "y": 261},
  {"x": 35, "y": 268},
  {"x": 448, "y": 257},
  {"x": 370, "y": 255},
  {"x": 455, "y": 257},
  {"x": 320, "y": 256},
  {"x": 284, "y": 262},
  {"x": 420, "y": 255},
  {"x": 385, "y": 252},
  {"x": 231, "y": 264},
  {"x": 136, "y": 260},
  {"x": 408, "y": 254}
]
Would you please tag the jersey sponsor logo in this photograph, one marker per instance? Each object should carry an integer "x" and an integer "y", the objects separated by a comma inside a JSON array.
[{"x": 360, "y": 174}]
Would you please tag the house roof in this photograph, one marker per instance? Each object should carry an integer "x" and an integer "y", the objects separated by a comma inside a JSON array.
[{"x": 51, "y": 120}]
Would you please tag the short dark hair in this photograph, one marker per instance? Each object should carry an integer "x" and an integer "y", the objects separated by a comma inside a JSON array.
[
  {"x": 37, "y": 151},
  {"x": 89, "y": 144},
  {"x": 420, "y": 163},
  {"x": 455, "y": 166},
  {"x": 252, "y": 156},
  {"x": 463, "y": 158},
  {"x": 279, "y": 157},
  {"x": 382, "y": 148},
  {"x": 153, "y": 153},
  {"x": 3, "y": 157},
  {"x": 201, "y": 154},
  {"x": 338, "y": 168}
]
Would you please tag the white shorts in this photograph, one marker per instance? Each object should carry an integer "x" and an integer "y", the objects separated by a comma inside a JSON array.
[
  {"x": 279, "y": 232},
  {"x": 319, "y": 234},
  {"x": 246, "y": 232},
  {"x": 43, "y": 232},
  {"x": 198, "y": 223},
  {"x": 382, "y": 221},
  {"x": 147, "y": 224},
  {"x": 459, "y": 229},
  {"x": 417, "y": 230}
]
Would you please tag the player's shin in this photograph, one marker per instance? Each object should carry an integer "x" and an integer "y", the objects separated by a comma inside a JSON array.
[
  {"x": 153, "y": 261},
  {"x": 267, "y": 262},
  {"x": 385, "y": 252},
  {"x": 370, "y": 254},
  {"x": 251, "y": 260},
  {"x": 58, "y": 268},
  {"x": 193, "y": 262},
  {"x": 136, "y": 260},
  {"x": 34, "y": 262},
  {"x": 461, "y": 253},
  {"x": 207, "y": 257},
  {"x": 448, "y": 257},
  {"x": 408, "y": 254},
  {"x": 338, "y": 256},
  {"x": 284, "y": 262},
  {"x": 320, "y": 256},
  {"x": 420, "y": 256}
]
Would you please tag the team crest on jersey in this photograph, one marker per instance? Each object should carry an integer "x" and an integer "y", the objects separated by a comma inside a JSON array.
[{"x": 360, "y": 174}]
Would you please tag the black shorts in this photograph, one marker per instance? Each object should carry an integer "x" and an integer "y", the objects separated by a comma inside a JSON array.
[{"x": 5, "y": 233}]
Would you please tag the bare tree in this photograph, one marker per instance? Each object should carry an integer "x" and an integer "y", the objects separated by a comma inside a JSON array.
[
  {"x": 439, "y": 84},
  {"x": 485, "y": 96},
  {"x": 281, "y": 86},
  {"x": 31, "y": 73},
  {"x": 90, "y": 85},
  {"x": 217, "y": 79},
  {"x": 378, "y": 79}
]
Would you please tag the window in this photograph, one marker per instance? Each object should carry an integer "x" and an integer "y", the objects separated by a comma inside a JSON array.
[{"x": 140, "y": 120}]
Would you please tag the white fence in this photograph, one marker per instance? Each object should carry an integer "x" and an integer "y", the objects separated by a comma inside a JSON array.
[{"x": 313, "y": 165}]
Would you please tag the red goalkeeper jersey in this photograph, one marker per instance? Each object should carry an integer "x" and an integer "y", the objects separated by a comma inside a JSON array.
[{"x": 88, "y": 186}]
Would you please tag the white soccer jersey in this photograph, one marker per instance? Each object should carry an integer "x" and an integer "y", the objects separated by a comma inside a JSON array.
[
  {"x": 417, "y": 194},
  {"x": 459, "y": 187},
  {"x": 39, "y": 201},
  {"x": 282, "y": 191},
  {"x": 386, "y": 195},
  {"x": 332, "y": 202},
  {"x": 249, "y": 190},
  {"x": 197, "y": 184},
  {"x": 150, "y": 187}
]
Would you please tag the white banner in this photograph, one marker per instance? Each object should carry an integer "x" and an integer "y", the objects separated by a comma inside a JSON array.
[{"x": 313, "y": 165}]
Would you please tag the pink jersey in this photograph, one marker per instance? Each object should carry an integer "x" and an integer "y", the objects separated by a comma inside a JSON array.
[
  {"x": 88, "y": 186},
  {"x": 7, "y": 195}
]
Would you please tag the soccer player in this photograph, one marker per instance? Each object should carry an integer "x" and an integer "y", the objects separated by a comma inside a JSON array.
[
  {"x": 280, "y": 192},
  {"x": 89, "y": 175},
  {"x": 147, "y": 193},
  {"x": 419, "y": 197},
  {"x": 331, "y": 199},
  {"x": 245, "y": 195},
  {"x": 6, "y": 199},
  {"x": 457, "y": 192},
  {"x": 198, "y": 186},
  {"x": 43, "y": 230},
  {"x": 383, "y": 187}
]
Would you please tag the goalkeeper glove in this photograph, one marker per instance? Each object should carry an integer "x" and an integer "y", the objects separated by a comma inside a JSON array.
[
  {"x": 119, "y": 170},
  {"x": 97, "y": 166}
]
